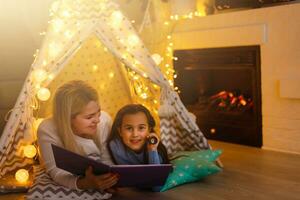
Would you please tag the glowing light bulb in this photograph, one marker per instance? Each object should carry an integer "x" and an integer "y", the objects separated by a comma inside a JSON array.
[
  {"x": 58, "y": 25},
  {"x": 29, "y": 151},
  {"x": 54, "y": 49},
  {"x": 66, "y": 13},
  {"x": 39, "y": 75},
  {"x": 95, "y": 68},
  {"x": 133, "y": 40},
  {"x": 68, "y": 34},
  {"x": 157, "y": 58},
  {"x": 43, "y": 94},
  {"x": 54, "y": 6},
  {"x": 155, "y": 86},
  {"x": 22, "y": 175},
  {"x": 144, "y": 95},
  {"x": 51, "y": 77},
  {"x": 116, "y": 18},
  {"x": 111, "y": 75}
]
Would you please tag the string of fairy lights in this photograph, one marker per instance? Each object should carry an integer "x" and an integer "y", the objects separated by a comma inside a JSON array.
[{"x": 146, "y": 92}]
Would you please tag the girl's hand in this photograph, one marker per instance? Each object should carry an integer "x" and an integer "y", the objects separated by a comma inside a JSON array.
[
  {"x": 100, "y": 182},
  {"x": 152, "y": 147}
]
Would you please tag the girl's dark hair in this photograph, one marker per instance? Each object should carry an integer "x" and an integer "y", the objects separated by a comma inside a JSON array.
[{"x": 133, "y": 109}]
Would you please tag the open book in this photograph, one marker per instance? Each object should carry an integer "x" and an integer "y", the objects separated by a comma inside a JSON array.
[{"x": 130, "y": 175}]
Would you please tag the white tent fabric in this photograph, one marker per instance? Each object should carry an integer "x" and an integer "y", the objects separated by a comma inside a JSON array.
[{"x": 73, "y": 22}]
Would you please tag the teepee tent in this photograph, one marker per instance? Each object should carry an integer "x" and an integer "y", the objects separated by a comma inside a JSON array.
[{"x": 92, "y": 40}]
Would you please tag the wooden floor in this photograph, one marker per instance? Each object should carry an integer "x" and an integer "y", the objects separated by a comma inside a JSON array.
[{"x": 249, "y": 173}]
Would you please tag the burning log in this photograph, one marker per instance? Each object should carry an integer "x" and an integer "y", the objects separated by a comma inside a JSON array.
[{"x": 225, "y": 100}]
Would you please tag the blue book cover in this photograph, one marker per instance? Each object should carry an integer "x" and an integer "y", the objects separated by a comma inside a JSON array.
[{"x": 130, "y": 175}]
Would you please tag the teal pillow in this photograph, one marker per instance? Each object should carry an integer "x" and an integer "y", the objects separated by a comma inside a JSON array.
[
  {"x": 192, "y": 166},
  {"x": 209, "y": 155}
]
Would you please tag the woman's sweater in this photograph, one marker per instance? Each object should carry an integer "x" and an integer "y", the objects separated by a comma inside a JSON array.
[{"x": 47, "y": 135}]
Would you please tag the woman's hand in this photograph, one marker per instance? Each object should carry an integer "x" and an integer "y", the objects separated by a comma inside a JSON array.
[
  {"x": 100, "y": 182},
  {"x": 152, "y": 147}
]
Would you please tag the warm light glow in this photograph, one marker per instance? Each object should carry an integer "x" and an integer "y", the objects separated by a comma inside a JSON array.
[
  {"x": 54, "y": 6},
  {"x": 66, "y": 14},
  {"x": 58, "y": 25},
  {"x": 116, "y": 19},
  {"x": 68, "y": 34},
  {"x": 201, "y": 9},
  {"x": 157, "y": 58},
  {"x": 212, "y": 130},
  {"x": 22, "y": 175},
  {"x": 95, "y": 68},
  {"x": 243, "y": 102},
  {"x": 111, "y": 75},
  {"x": 51, "y": 77},
  {"x": 54, "y": 49},
  {"x": 29, "y": 151},
  {"x": 133, "y": 40},
  {"x": 155, "y": 86},
  {"x": 144, "y": 95},
  {"x": 39, "y": 75},
  {"x": 37, "y": 122},
  {"x": 124, "y": 56},
  {"x": 43, "y": 94},
  {"x": 44, "y": 62}
]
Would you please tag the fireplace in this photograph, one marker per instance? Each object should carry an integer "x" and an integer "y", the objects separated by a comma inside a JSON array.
[{"x": 221, "y": 86}]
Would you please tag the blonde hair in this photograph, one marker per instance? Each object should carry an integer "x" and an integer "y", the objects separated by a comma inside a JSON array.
[{"x": 69, "y": 101}]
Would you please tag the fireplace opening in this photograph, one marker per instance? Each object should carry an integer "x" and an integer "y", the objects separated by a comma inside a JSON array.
[{"x": 222, "y": 87}]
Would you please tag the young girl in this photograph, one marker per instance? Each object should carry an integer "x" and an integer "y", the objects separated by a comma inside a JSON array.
[
  {"x": 129, "y": 139},
  {"x": 79, "y": 125}
]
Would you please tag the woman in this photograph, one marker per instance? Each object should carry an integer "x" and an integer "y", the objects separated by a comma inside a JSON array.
[
  {"x": 79, "y": 125},
  {"x": 129, "y": 139}
]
